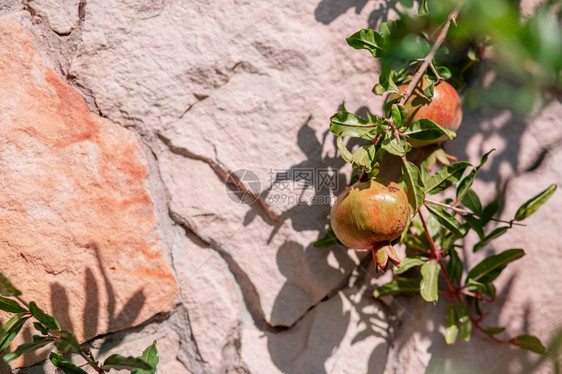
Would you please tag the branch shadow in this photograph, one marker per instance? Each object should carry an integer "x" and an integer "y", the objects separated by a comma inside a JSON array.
[{"x": 60, "y": 304}]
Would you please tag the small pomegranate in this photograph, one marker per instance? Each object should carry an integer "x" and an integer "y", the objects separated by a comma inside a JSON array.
[
  {"x": 370, "y": 214},
  {"x": 444, "y": 108}
]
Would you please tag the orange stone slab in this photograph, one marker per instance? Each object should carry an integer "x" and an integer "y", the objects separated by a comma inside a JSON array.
[{"x": 78, "y": 233}]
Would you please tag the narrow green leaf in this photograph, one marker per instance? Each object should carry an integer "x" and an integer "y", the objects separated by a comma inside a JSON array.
[
  {"x": 496, "y": 233},
  {"x": 365, "y": 157},
  {"x": 472, "y": 202},
  {"x": 452, "y": 325},
  {"x": 445, "y": 177},
  {"x": 41, "y": 328},
  {"x": 119, "y": 362},
  {"x": 43, "y": 317},
  {"x": 7, "y": 288},
  {"x": 26, "y": 347},
  {"x": 410, "y": 262},
  {"x": 66, "y": 366},
  {"x": 475, "y": 224},
  {"x": 10, "y": 305},
  {"x": 150, "y": 356},
  {"x": 426, "y": 129},
  {"x": 532, "y": 205},
  {"x": 399, "y": 286},
  {"x": 349, "y": 124},
  {"x": 327, "y": 241},
  {"x": 344, "y": 152},
  {"x": 413, "y": 242},
  {"x": 446, "y": 219},
  {"x": 454, "y": 266},
  {"x": 429, "y": 89},
  {"x": 11, "y": 329},
  {"x": 412, "y": 179},
  {"x": 67, "y": 343},
  {"x": 466, "y": 182},
  {"x": 465, "y": 322},
  {"x": 397, "y": 115},
  {"x": 493, "y": 330},
  {"x": 529, "y": 342},
  {"x": 423, "y": 9},
  {"x": 429, "y": 289},
  {"x": 394, "y": 147},
  {"x": 444, "y": 72},
  {"x": 490, "y": 210},
  {"x": 491, "y": 267}
]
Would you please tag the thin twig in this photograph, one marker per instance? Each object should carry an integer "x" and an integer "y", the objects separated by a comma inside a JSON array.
[
  {"x": 429, "y": 58},
  {"x": 464, "y": 211},
  {"x": 22, "y": 301}
]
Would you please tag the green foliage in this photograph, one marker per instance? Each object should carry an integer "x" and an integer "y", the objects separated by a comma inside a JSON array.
[
  {"x": 64, "y": 341},
  {"x": 529, "y": 52}
]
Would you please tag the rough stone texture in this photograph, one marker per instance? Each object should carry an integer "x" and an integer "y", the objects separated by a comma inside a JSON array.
[
  {"x": 213, "y": 87},
  {"x": 79, "y": 234}
]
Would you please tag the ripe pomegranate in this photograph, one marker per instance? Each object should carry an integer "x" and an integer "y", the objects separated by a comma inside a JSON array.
[
  {"x": 370, "y": 214},
  {"x": 444, "y": 108}
]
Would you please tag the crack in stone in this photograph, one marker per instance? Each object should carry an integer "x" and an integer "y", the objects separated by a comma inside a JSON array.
[
  {"x": 249, "y": 292},
  {"x": 223, "y": 173}
]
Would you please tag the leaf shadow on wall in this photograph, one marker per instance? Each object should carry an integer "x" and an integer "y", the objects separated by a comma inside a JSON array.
[
  {"x": 60, "y": 306},
  {"x": 328, "y": 11},
  {"x": 308, "y": 335}
]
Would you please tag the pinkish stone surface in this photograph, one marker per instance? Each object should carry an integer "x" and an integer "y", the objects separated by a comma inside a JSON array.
[{"x": 78, "y": 230}]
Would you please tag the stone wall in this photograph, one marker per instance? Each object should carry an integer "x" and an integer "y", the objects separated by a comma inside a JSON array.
[{"x": 122, "y": 121}]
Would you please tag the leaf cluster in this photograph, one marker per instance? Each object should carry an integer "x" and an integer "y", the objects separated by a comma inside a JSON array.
[{"x": 49, "y": 332}]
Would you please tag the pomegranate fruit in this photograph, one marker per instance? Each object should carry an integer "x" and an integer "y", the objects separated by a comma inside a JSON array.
[
  {"x": 444, "y": 108},
  {"x": 370, "y": 214}
]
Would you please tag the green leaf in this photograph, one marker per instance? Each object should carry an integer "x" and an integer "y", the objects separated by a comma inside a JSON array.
[
  {"x": 429, "y": 89},
  {"x": 10, "y": 305},
  {"x": 475, "y": 224},
  {"x": 465, "y": 322},
  {"x": 150, "y": 356},
  {"x": 6, "y": 287},
  {"x": 493, "y": 330},
  {"x": 394, "y": 147},
  {"x": 445, "y": 177},
  {"x": 496, "y": 233},
  {"x": 11, "y": 329},
  {"x": 43, "y": 317},
  {"x": 429, "y": 289},
  {"x": 529, "y": 342},
  {"x": 67, "y": 343},
  {"x": 446, "y": 219},
  {"x": 452, "y": 325},
  {"x": 399, "y": 286},
  {"x": 368, "y": 39},
  {"x": 491, "y": 267},
  {"x": 423, "y": 9},
  {"x": 119, "y": 362},
  {"x": 66, "y": 366},
  {"x": 344, "y": 152},
  {"x": 365, "y": 157},
  {"x": 534, "y": 203},
  {"x": 410, "y": 262},
  {"x": 444, "y": 72},
  {"x": 398, "y": 114},
  {"x": 466, "y": 182},
  {"x": 490, "y": 210},
  {"x": 454, "y": 266},
  {"x": 412, "y": 179},
  {"x": 413, "y": 242},
  {"x": 42, "y": 329},
  {"x": 426, "y": 129},
  {"x": 27, "y": 347},
  {"x": 472, "y": 202},
  {"x": 349, "y": 124},
  {"x": 328, "y": 240}
]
